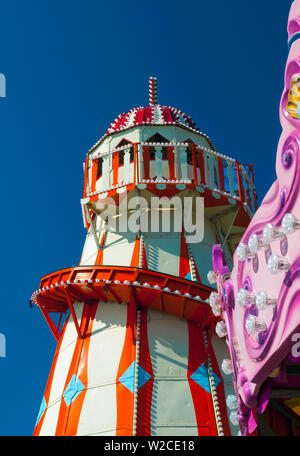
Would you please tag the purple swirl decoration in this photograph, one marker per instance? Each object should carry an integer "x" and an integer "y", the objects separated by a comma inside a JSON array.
[{"x": 262, "y": 334}]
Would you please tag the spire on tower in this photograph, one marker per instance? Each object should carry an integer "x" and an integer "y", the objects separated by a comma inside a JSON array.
[{"x": 152, "y": 91}]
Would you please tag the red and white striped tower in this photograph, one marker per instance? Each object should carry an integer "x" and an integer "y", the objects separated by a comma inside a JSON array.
[{"x": 137, "y": 352}]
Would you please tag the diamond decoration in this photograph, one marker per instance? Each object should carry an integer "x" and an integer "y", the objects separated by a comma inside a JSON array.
[
  {"x": 200, "y": 376},
  {"x": 41, "y": 410},
  {"x": 74, "y": 388},
  {"x": 127, "y": 379}
]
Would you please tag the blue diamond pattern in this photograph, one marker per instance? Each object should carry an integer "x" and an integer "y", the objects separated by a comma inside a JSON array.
[
  {"x": 189, "y": 277},
  {"x": 200, "y": 376},
  {"x": 74, "y": 388},
  {"x": 41, "y": 411},
  {"x": 127, "y": 379}
]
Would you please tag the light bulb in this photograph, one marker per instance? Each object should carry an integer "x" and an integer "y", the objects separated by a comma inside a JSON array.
[
  {"x": 227, "y": 366},
  {"x": 244, "y": 297},
  {"x": 221, "y": 329},
  {"x": 234, "y": 418},
  {"x": 243, "y": 251},
  {"x": 255, "y": 244},
  {"x": 215, "y": 303},
  {"x": 255, "y": 325},
  {"x": 289, "y": 224},
  {"x": 212, "y": 277},
  {"x": 263, "y": 300},
  {"x": 270, "y": 233},
  {"x": 232, "y": 402},
  {"x": 214, "y": 299},
  {"x": 216, "y": 310},
  {"x": 277, "y": 264}
]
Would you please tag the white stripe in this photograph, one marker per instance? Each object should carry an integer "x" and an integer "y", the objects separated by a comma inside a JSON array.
[
  {"x": 163, "y": 252},
  {"x": 172, "y": 411},
  {"x": 99, "y": 411},
  {"x": 157, "y": 115},
  {"x": 60, "y": 374},
  {"x": 118, "y": 248}
]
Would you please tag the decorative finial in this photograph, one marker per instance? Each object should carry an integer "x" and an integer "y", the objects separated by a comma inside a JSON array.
[{"x": 152, "y": 91}]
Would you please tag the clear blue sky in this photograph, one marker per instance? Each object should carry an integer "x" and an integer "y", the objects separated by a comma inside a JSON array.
[{"x": 71, "y": 67}]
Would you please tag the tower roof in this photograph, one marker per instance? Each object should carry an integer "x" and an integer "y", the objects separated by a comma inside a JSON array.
[{"x": 154, "y": 114}]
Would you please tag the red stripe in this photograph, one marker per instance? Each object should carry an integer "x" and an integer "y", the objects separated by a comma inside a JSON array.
[
  {"x": 194, "y": 164},
  {"x": 171, "y": 162},
  {"x": 136, "y": 253},
  {"x": 94, "y": 171},
  {"x": 201, "y": 166},
  {"x": 145, "y": 392},
  {"x": 124, "y": 396},
  {"x": 64, "y": 409},
  {"x": 115, "y": 167},
  {"x": 202, "y": 399},
  {"x": 82, "y": 374},
  {"x": 99, "y": 257},
  {"x": 146, "y": 159},
  {"x": 184, "y": 265},
  {"x": 145, "y": 262},
  {"x": 38, "y": 427}
]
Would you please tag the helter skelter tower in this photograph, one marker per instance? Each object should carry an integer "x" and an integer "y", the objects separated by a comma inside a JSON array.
[{"x": 137, "y": 352}]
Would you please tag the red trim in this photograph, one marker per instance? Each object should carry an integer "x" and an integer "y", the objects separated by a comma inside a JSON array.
[
  {"x": 82, "y": 374},
  {"x": 136, "y": 253},
  {"x": 221, "y": 173},
  {"x": 124, "y": 396},
  {"x": 39, "y": 425},
  {"x": 73, "y": 312},
  {"x": 184, "y": 264},
  {"x": 94, "y": 171},
  {"x": 55, "y": 299},
  {"x": 136, "y": 177},
  {"x": 171, "y": 161},
  {"x": 99, "y": 257},
  {"x": 194, "y": 164},
  {"x": 53, "y": 328},
  {"x": 145, "y": 262},
  {"x": 145, "y": 392},
  {"x": 115, "y": 167},
  {"x": 201, "y": 166},
  {"x": 146, "y": 159},
  {"x": 73, "y": 369},
  {"x": 202, "y": 399}
]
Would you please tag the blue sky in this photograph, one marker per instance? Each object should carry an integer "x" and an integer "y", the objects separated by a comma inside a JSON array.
[{"x": 71, "y": 67}]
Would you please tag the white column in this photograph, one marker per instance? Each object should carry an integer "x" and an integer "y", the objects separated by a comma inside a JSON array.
[
  {"x": 127, "y": 177},
  {"x": 158, "y": 162},
  {"x": 141, "y": 162},
  {"x": 183, "y": 161},
  {"x": 177, "y": 163},
  {"x": 105, "y": 172}
]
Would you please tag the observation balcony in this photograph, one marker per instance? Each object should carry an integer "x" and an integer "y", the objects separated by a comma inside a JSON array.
[{"x": 167, "y": 166}]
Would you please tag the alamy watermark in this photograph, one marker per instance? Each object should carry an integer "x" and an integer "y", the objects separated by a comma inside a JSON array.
[
  {"x": 2, "y": 346},
  {"x": 296, "y": 347},
  {"x": 155, "y": 215},
  {"x": 2, "y": 86}
]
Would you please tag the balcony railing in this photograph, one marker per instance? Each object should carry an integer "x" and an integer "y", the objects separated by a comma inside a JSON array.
[{"x": 170, "y": 163}]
